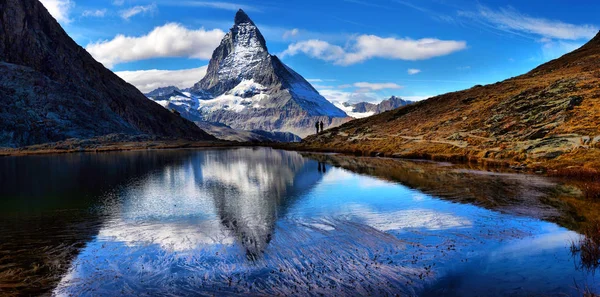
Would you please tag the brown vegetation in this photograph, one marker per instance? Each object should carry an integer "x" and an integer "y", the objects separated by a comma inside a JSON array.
[
  {"x": 548, "y": 118},
  {"x": 114, "y": 142},
  {"x": 587, "y": 248}
]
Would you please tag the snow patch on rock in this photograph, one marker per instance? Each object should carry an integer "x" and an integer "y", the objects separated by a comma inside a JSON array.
[
  {"x": 247, "y": 94},
  {"x": 348, "y": 109}
]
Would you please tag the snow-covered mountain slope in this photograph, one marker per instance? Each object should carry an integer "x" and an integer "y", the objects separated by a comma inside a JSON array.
[
  {"x": 192, "y": 107},
  {"x": 249, "y": 89},
  {"x": 351, "y": 111},
  {"x": 365, "y": 109}
]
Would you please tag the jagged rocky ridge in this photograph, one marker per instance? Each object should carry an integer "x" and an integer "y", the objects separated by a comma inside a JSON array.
[
  {"x": 366, "y": 109},
  {"x": 250, "y": 89},
  {"x": 51, "y": 89}
]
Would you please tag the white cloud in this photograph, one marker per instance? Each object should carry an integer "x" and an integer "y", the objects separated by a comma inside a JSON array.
[
  {"x": 365, "y": 47},
  {"x": 318, "y": 87},
  {"x": 290, "y": 33},
  {"x": 128, "y": 13},
  {"x": 59, "y": 9},
  {"x": 350, "y": 97},
  {"x": 413, "y": 71},
  {"x": 320, "y": 80},
  {"x": 170, "y": 40},
  {"x": 148, "y": 80},
  {"x": 94, "y": 13},
  {"x": 376, "y": 86},
  {"x": 316, "y": 49},
  {"x": 555, "y": 49},
  {"x": 118, "y": 2},
  {"x": 512, "y": 21},
  {"x": 341, "y": 96}
]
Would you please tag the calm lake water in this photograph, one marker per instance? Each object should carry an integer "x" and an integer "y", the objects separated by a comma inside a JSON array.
[{"x": 257, "y": 221}]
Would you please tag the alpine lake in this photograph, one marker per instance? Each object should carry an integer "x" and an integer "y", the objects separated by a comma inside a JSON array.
[{"x": 265, "y": 222}]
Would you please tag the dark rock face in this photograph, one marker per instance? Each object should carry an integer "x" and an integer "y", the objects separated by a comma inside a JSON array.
[
  {"x": 391, "y": 104},
  {"x": 166, "y": 91},
  {"x": 290, "y": 103},
  {"x": 363, "y": 107},
  {"x": 48, "y": 68}
]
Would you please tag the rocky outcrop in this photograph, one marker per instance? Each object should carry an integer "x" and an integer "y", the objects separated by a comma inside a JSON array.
[
  {"x": 52, "y": 89},
  {"x": 391, "y": 104}
]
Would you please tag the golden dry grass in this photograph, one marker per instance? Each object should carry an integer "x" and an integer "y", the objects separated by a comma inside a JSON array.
[{"x": 546, "y": 118}]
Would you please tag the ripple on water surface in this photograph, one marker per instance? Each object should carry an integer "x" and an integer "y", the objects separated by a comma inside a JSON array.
[{"x": 267, "y": 222}]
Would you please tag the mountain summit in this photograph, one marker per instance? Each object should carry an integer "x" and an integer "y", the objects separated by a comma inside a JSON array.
[
  {"x": 242, "y": 18},
  {"x": 250, "y": 89},
  {"x": 51, "y": 89}
]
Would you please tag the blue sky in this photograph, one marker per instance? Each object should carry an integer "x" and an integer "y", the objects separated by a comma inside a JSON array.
[{"x": 351, "y": 50}]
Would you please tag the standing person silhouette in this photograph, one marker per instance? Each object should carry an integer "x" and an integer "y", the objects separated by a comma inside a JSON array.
[
  {"x": 317, "y": 126},
  {"x": 321, "y": 126}
]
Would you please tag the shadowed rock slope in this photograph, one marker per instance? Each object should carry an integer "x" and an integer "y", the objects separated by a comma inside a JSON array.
[
  {"x": 51, "y": 89},
  {"x": 547, "y": 117}
]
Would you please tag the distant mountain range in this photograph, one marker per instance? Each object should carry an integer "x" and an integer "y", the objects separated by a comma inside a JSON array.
[
  {"x": 51, "y": 89},
  {"x": 246, "y": 88},
  {"x": 366, "y": 109}
]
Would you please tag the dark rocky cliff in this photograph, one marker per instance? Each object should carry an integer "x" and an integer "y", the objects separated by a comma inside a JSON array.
[{"x": 52, "y": 89}]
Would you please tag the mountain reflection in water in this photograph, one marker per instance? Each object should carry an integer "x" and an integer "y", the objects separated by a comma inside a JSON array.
[{"x": 267, "y": 222}]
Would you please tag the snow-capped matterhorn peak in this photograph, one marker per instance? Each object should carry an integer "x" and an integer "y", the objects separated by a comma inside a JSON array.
[
  {"x": 240, "y": 56},
  {"x": 253, "y": 90}
]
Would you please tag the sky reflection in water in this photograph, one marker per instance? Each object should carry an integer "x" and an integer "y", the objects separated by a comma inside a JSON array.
[{"x": 266, "y": 222}]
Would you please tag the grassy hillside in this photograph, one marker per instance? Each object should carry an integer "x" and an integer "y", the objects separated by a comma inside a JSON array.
[{"x": 549, "y": 117}]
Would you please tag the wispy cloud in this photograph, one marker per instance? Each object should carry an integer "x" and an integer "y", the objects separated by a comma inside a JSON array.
[
  {"x": 59, "y": 9},
  {"x": 365, "y": 47},
  {"x": 555, "y": 49},
  {"x": 512, "y": 21},
  {"x": 210, "y": 4},
  {"x": 355, "y": 96},
  {"x": 413, "y": 71},
  {"x": 118, "y": 2},
  {"x": 148, "y": 80},
  {"x": 143, "y": 9},
  {"x": 290, "y": 33},
  {"x": 320, "y": 80},
  {"x": 341, "y": 96},
  {"x": 367, "y": 86},
  {"x": 170, "y": 40},
  {"x": 286, "y": 34},
  {"x": 432, "y": 14},
  {"x": 94, "y": 13}
]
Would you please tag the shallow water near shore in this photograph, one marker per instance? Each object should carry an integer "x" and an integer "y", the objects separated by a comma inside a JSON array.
[{"x": 257, "y": 221}]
